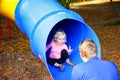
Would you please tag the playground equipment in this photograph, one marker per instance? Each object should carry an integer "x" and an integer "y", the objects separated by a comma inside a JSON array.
[
  {"x": 39, "y": 19},
  {"x": 8, "y": 29}
]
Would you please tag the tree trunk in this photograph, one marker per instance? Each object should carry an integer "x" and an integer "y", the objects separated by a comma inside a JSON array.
[{"x": 110, "y": 1}]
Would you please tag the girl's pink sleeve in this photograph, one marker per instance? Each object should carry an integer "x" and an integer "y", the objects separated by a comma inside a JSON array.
[{"x": 48, "y": 46}]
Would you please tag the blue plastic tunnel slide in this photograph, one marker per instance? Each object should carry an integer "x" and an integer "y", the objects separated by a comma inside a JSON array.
[{"x": 39, "y": 19}]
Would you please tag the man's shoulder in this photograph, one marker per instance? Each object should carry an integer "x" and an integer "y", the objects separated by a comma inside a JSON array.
[
  {"x": 108, "y": 62},
  {"x": 80, "y": 66},
  {"x": 100, "y": 61},
  {"x": 111, "y": 64}
]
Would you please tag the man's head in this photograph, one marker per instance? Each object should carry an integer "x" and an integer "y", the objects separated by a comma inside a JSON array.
[{"x": 88, "y": 49}]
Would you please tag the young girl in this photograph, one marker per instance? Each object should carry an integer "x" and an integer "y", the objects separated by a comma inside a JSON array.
[{"x": 59, "y": 50}]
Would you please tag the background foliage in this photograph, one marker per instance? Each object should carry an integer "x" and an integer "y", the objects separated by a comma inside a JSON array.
[{"x": 66, "y": 2}]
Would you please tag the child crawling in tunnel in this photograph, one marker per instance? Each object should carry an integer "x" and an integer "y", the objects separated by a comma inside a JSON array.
[{"x": 59, "y": 51}]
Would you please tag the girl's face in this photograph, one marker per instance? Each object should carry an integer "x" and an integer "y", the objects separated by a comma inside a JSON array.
[{"x": 61, "y": 39}]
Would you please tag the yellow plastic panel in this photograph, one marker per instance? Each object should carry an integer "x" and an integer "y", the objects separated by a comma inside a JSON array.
[{"x": 7, "y": 8}]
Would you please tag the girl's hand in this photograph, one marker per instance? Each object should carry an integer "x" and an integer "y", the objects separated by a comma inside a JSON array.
[{"x": 69, "y": 49}]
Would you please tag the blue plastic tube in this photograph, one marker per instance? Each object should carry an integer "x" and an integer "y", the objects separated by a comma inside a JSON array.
[{"x": 39, "y": 19}]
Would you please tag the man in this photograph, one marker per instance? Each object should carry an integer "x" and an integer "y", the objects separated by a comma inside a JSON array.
[{"x": 93, "y": 68}]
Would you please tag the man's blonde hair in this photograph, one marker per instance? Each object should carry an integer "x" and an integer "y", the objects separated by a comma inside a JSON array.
[{"x": 88, "y": 48}]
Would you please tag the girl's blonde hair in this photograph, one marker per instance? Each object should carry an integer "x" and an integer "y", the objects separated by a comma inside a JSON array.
[
  {"x": 88, "y": 48},
  {"x": 59, "y": 32}
]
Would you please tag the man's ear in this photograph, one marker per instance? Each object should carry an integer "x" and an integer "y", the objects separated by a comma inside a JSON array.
[{"x": 83, "y": 54}]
